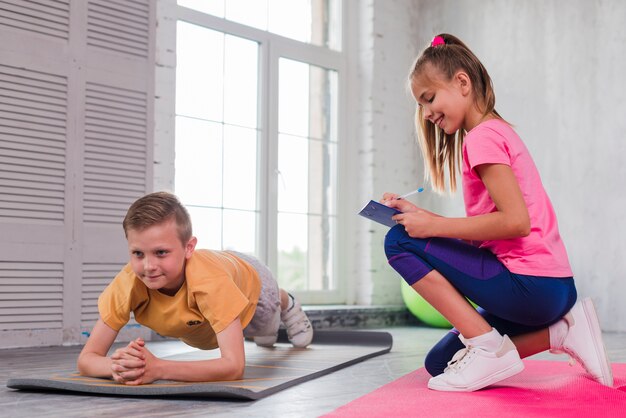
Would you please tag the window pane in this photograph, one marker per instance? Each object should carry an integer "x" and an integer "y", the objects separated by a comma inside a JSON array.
[
  {"x": 307, "y": 100},
  {"x": 240, "y": 231},
  {"x": 207, "y": 226},
  {"x": 291, "y": 18},
  {"x": 240, "y": 81},
  {"x": 321, "y": 252},
  {"x": 293, "y": 99},
  {"x": 323, "y": 94},
  {"x": 306, "y": 252},
  {"x": 293, "y": 174},
  {"x": 199, "y": 72},
  {"x": 312, "y": 21},
  {"x": 248, "y": 12},
  {"x": 322, "y": 178},
  {"x": 198, "y": 175},
  {"x": 292, "y": 251},
  {"x": 240, "y": 167},
  {"x": 212, "y": 7}
]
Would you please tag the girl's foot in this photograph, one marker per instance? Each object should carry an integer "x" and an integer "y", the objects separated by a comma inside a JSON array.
[
  {"x": 473, "y": 368},
  {"x": 579, "y": 335}
]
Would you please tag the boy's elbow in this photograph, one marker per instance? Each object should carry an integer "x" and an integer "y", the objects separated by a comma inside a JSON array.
[
  {"x": 81, "y": 366},
  {"x": 237, "y": 373}
]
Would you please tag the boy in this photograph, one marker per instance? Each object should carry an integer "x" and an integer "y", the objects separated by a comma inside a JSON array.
[{"x": 207, "y": 299}]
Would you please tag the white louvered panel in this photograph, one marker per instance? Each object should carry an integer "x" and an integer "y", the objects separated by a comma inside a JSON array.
[
  {"x": 31, "y": 295},
  {"x": 50, "y": 18},
  {"x": 33, "y": 117},
  {"x": 119, "y": 26},
  {"x": 96, "y": 276},
  {"x": 115, "y": 152}
]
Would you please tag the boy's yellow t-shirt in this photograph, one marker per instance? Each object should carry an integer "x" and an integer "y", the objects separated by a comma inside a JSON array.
[{"x": 218, "y": 288}]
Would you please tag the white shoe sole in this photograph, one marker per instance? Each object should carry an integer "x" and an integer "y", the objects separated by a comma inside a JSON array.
[{"x": 592, "y": 319}]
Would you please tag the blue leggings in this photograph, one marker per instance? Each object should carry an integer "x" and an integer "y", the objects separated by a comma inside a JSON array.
[{"x": 512, "y": 303}]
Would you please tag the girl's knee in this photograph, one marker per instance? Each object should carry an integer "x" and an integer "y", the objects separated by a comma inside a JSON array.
[
  {"x": 434, "y": 364},
  {"x": 392, "y": 241}
]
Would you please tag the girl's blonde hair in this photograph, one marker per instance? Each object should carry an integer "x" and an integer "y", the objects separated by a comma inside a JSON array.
[
  {"x": 155, "y": 208},
  {"x": 448, "y": 55}
]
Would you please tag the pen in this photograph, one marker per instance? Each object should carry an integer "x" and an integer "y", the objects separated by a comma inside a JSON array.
[{"x": 420, "y": 190}]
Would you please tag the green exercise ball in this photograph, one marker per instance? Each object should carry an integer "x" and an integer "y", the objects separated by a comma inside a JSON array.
[{"x": 422, "y": 310}]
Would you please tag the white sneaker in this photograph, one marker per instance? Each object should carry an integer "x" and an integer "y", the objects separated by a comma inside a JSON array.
[
  {"x": 299, "y": 328},
  {"x": 583, "y": 341},
  {"x": 473, "y": 368}
]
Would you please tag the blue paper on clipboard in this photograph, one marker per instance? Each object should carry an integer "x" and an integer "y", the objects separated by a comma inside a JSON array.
[{"x": 379, "y": 213}]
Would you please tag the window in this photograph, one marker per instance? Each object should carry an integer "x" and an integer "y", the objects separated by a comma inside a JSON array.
[{"x": 257, "y": 134}]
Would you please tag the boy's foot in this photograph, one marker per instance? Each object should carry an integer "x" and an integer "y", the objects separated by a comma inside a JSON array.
[
  {"x": 473, "y": 368},
  {"x": 583, "y": 341},
  {"x": 265, "y": 341},
  {"x": 299, "y": 328},
  {"x": 272, "y": 326}
]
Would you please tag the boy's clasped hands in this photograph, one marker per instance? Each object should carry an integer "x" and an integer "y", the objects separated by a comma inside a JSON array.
[
  {"x": 134, "y": 364},
  {"x": 418, "y": 222}
]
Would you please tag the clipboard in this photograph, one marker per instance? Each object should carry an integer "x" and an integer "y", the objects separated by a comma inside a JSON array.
[{"x": 380, "y": 213}]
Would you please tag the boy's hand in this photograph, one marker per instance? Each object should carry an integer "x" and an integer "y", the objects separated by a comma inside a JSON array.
[
  {"x": 128, "y": 363},
  {"x": 136, "y": 364}
]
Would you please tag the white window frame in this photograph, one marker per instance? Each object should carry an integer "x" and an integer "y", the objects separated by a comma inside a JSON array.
[{"x": 271, "y": 48}]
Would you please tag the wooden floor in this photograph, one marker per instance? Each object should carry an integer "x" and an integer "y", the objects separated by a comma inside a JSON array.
[{"x": 310, "y": 399}]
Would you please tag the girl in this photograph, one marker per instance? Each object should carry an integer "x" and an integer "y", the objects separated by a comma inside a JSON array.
[{"x": 506, "y": 255}]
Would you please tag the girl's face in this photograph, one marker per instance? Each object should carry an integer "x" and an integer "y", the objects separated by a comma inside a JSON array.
[{"x": 445, "y": 103}]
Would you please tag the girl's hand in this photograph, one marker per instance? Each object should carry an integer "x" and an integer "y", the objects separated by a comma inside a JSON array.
[
  {"x": 418, "y": 224},
  {"x": 403, "y": 205}
]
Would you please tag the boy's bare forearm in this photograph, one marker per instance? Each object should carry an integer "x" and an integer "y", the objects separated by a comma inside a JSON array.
[
  {"x": 200, "y": 371},
  {"x": 94, "y": 365}
]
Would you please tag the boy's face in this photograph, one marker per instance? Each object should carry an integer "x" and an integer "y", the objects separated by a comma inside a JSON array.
[{"x": 158, "y": 257}]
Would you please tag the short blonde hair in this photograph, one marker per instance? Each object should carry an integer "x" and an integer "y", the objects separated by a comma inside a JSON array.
[{"x": 155, "y": 208}]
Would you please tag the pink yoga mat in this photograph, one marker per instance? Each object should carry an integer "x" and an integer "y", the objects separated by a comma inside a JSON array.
[{"x": 543, "y": 389}]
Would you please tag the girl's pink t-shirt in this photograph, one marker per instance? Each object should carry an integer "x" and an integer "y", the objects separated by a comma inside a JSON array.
[{"x": 542, "y": 252}]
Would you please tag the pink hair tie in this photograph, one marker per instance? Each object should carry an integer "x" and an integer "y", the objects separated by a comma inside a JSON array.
[{"x": 437, "y": 40}]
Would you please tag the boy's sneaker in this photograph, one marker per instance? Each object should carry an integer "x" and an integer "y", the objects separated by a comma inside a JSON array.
[
  {"x": 299, "y": 328},
  {"x": 473, "y": 368},
  {"x": 583, "y": 341}
]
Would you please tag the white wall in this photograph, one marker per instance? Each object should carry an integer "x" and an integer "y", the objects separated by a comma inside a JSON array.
[
  {"x": 382, "y": 137},
  {"x": 557, "y": 68}
]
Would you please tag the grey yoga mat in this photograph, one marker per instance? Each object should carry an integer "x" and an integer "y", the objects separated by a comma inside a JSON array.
[{"x": 268, "y": 370}]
